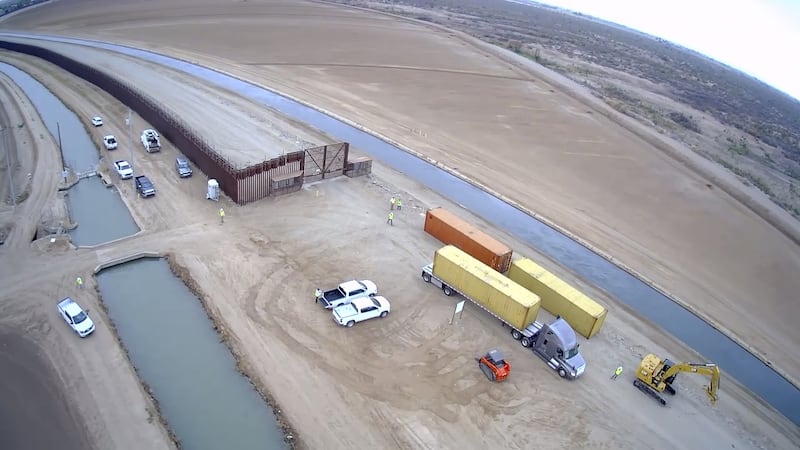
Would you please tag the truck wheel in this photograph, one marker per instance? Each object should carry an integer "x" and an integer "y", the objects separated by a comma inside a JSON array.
[
  {"x": 426, "y": 276},
  {"x": 516, "y": 334},
  {"x": 384, "y": 314},
  {"x": 350, "y": 324},
  {"x": 526, "y": 342},
  {"x": 447, "y": 290},
  {"x": 562, "y": 373}
]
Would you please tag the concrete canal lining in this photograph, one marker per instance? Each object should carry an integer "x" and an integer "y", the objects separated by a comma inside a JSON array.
[
  {"x": 649, "y": 301},
  {"x": 171, "y": 342},
  {"x": 99, "y": 212}
]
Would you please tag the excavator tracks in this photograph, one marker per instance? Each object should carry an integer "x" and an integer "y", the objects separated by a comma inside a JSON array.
[{"x": 649, "y": 391}]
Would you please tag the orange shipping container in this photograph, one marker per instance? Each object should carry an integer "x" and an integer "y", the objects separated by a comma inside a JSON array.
[{"x": 452, "y": 230}]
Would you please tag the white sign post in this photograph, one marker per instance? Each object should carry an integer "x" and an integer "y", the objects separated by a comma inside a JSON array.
[{"x": 459, "y": 310}]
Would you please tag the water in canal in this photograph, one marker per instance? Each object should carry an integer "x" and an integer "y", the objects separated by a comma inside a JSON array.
[
  {"x": 176, "y": 351},
  {"x": 99, "y": 211},
  {"x": 646, "y": 301}
]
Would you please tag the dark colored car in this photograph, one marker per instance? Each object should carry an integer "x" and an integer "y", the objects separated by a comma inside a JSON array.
[
  {"x": 183, "y": 168},
  {"x": 144, "y": 186}
]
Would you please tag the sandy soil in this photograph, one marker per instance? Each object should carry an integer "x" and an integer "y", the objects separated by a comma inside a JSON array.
[
  {"x": 408, "y": 381},
  {"x": 65, "y": 391},
  {"x": 497, "y": 123}
]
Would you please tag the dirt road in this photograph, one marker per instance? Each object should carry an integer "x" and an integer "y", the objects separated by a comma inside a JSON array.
[
  {"x": 497, "y": 123},
  {"x": 408, "y": 381},
  {"x": 34, "y": 413}
]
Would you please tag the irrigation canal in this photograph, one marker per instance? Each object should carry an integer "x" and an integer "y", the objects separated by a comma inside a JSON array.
[{"x": 651, "y": 304}]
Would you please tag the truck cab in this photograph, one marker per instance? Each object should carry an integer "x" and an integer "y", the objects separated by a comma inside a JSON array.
[
  {"x": 346, "y": 292},
  {"x": 557, "y": 344}
]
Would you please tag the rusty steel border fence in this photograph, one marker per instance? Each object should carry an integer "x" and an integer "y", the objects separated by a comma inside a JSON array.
[{"x": 242, "y": 185}]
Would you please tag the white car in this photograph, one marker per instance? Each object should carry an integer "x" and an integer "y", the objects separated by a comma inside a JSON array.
[
  {"x": 124, "y": 169},
  {"x": 360, "y": 309},
  {"x": 97, "y": 121},
  {"x": 110, "y": 142},
  {"x": 76, "y": 318}
]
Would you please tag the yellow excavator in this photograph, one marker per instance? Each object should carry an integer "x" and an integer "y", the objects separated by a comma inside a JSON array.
[{"x": 656, "y": 375}]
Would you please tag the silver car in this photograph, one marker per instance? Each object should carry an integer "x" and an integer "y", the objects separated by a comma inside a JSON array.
[{"x": 182, "y": 167}]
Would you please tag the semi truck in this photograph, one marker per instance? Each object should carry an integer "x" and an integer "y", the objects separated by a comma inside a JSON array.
[{"x": 456, "y": 272}]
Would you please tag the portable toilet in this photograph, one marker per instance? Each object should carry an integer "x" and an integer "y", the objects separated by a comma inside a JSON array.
[{"x": 213, "y": 190}]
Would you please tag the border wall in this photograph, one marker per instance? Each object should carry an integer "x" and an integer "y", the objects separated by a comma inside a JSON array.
[{"x": 276, "y": 176}]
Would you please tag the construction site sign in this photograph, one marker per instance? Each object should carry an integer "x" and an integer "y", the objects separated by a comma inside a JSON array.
[{"x": 459, "y": 310}]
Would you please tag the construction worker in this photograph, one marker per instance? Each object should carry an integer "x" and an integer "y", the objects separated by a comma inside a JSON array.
[
  {"x": 617, "y": 373},
  {"x": 221, "y": 216},
  {"x": 317, "y": 295},
  {"x": 79, "y": 282},
  {"x": 393, "y": 202},
  {"x": 399, "y": 204},
  {"x": 390, "y": 218}
]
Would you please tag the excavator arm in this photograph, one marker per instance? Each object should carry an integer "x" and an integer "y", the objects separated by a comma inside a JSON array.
[{"x": 704, "y": 369}]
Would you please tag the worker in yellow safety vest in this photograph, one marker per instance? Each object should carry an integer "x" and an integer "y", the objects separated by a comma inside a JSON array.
[
  {"x": 390, "y": 218},
  {"x": 399, "y": 204},
  {"x": 617, "y": 373},
  {"x": 221, "y": 216},
  {"x": 79, "y": 282}
]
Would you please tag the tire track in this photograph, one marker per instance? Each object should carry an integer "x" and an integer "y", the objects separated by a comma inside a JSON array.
[{"x": 387, "y": 67}]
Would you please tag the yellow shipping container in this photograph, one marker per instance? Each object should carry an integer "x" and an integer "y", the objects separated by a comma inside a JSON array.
[
  {"x": 495, "y": 292},
  {"x": 585, "y": 315}
]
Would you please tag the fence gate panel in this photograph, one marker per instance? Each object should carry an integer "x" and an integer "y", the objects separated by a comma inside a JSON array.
[{"x": 326, "y": 161}]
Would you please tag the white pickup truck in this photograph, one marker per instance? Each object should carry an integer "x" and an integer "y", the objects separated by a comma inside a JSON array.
[
  {"x": 346, "y": 292},
  {"x": 110, "y": 142},
  {"x": 124, "y": 169},
  {"x": 360, "y": 309},
  {"x": 76, "y": 318}
]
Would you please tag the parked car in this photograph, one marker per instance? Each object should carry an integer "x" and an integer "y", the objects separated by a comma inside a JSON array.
[
  {"x": 124, "y": 169},
  {"x": 346, "y": 292},
  {"x": 182, "y": 167},
  {"x": 151, "y": 141},
  {"x": 76, "y": 317},
  {"x": 110, "y": 142},
  {"x": 360, "y": 309},
  {"x": 97, "y": 121},
  {"x": 144, "y": 186}
]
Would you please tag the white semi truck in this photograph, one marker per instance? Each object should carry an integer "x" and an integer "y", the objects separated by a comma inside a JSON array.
[{"x": 456, "y": 272}]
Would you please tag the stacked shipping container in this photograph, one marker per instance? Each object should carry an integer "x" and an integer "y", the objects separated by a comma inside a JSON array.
[
  {"x": 482, "y": 284},
  {"x": 559, "y": 298},
  {"x": 452, "y": 230}
]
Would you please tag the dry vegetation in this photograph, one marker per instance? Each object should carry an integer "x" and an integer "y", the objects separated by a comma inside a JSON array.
[{"x": 726, "y": 116}]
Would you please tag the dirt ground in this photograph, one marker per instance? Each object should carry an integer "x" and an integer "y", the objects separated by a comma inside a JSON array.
[
  {"x": 506, "y": 126},
  {"x": 408, "y": 381}
]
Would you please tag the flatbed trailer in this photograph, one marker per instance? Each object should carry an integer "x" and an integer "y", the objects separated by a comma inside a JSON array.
[{"x": 559, "y": 348}]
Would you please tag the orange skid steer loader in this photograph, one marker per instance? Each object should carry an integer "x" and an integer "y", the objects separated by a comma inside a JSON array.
[{"x": 494, "y": 366}]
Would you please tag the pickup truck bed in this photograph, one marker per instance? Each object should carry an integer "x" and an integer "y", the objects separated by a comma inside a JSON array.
[{"x": 346, "y": 292}]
